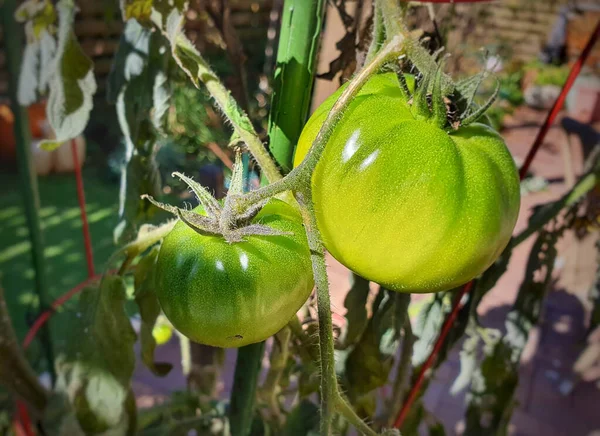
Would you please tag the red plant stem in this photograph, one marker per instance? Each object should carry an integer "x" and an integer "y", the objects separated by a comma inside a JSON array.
[
  {"x": 44, "y": 316},
  {"x": 575, "y": 69},
  {"x": 87, "y": 240},
  {"x": 24, "y": 418}
]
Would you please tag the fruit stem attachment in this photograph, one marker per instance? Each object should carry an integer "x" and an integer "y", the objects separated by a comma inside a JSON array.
[{"x": 301, "y": 175}]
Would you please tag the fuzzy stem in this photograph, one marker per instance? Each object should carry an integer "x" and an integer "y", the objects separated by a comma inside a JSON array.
[
  {"x": 198, "y": 70},
  {"x": 350, "y": 415},
  {"x": 300, "y": 176},
  {"x": 327, "y": 364},
  {"x": 378, "y": 33}
]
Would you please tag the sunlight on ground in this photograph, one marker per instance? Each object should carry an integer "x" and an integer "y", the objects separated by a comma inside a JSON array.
[{"x": 64, "y": 247}]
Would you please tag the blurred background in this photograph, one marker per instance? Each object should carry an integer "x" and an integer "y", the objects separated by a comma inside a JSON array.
[{"x": 530, "y": 46}]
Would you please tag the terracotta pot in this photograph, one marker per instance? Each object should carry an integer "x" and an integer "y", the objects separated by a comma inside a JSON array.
[
  {"x": 37, "y": 118},
  {"x": 42, "y": 160}
]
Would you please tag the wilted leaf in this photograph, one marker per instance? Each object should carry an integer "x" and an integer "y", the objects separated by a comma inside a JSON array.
[
  {"x": 130, "y": 59},
  {"x": 37, "y": 65},
  {"x": 72, "y": 85},
  {"x": 149, "y": 310},
  {"x": 491, "y": 397},
  {"x": 151, "y": 11},
  {"x": 427, "y": 327},
  {"x": 369, "y": 363},
  {"x": 356, "y": 314},
  {"x": 96, "y": 369},
  {"x": 28, "y": 79},
  {"x": 468, "y": 361}
]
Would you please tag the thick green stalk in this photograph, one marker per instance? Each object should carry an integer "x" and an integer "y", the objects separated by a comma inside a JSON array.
[
  {"x": 29, "y": 188},
  {"x": 243, "y": 395},
  {"x": 301, "y": 23}
]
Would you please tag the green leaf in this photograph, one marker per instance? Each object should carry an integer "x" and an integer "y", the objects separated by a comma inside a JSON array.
[
  {"x": 149, "y": 310},
  {"x": 72, "y": 85},
  {"x": 356, "y": 310},
  {"x": 303, "y": 419},
  {"x": 95, "y": 370}
]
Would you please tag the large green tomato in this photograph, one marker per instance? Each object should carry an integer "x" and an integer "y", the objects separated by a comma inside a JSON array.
[
  {"x": 230, "y": 295},
  {"x": 405, "y": 203}
]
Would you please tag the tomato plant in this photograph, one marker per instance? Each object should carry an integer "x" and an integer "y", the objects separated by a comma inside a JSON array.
[
  {"x": 396, "y": 174},
  {"x": 230, "y": 295},
  {"x": 405, "y": 202}
]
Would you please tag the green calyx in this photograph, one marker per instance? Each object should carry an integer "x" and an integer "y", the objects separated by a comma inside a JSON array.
[
  {"x": 447, "y": 110},
  {"x": 218, "y": 219}
]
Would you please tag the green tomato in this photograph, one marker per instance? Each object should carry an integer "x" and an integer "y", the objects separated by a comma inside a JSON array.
[
  {"x": 405, "y": 203},
  {"x": 230, "y": 295},
  {"x": 162, "y": 334}
]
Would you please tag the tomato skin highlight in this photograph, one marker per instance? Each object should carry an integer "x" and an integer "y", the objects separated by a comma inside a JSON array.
[
  {"x": 404, "y": 203},
  {"x": 230, "y": 295}
]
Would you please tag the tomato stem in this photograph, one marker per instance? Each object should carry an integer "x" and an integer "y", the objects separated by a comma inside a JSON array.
[
  {"x": 300, "y": 177},
  {"x": 198, "y": 70},
  {"x": 327, "y": 362}
]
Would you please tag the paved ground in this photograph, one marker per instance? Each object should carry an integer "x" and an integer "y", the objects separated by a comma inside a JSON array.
[{"x": 553, "y": 346}]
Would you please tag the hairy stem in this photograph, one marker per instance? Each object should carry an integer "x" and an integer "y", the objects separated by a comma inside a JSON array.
[
  {"x": 327, "y": 364},
  {"x": 350, "y": 415},
  {"x": 300, "y": 176},
  {"x": 378, "y": 33},
  {"x": 198, "y": 70}
]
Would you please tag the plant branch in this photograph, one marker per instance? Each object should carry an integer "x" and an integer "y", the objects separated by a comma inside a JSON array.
[
  {"x": 327, "y": 363},
  {"x": 350, "y": 415},
  {"x": 377, "y": 34},
  {"x": 300, "y": 175},
  {"x": 15, "y": 372},
  {"x": 547, "y": 212},
  {"x": 198, "y": 70}
]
